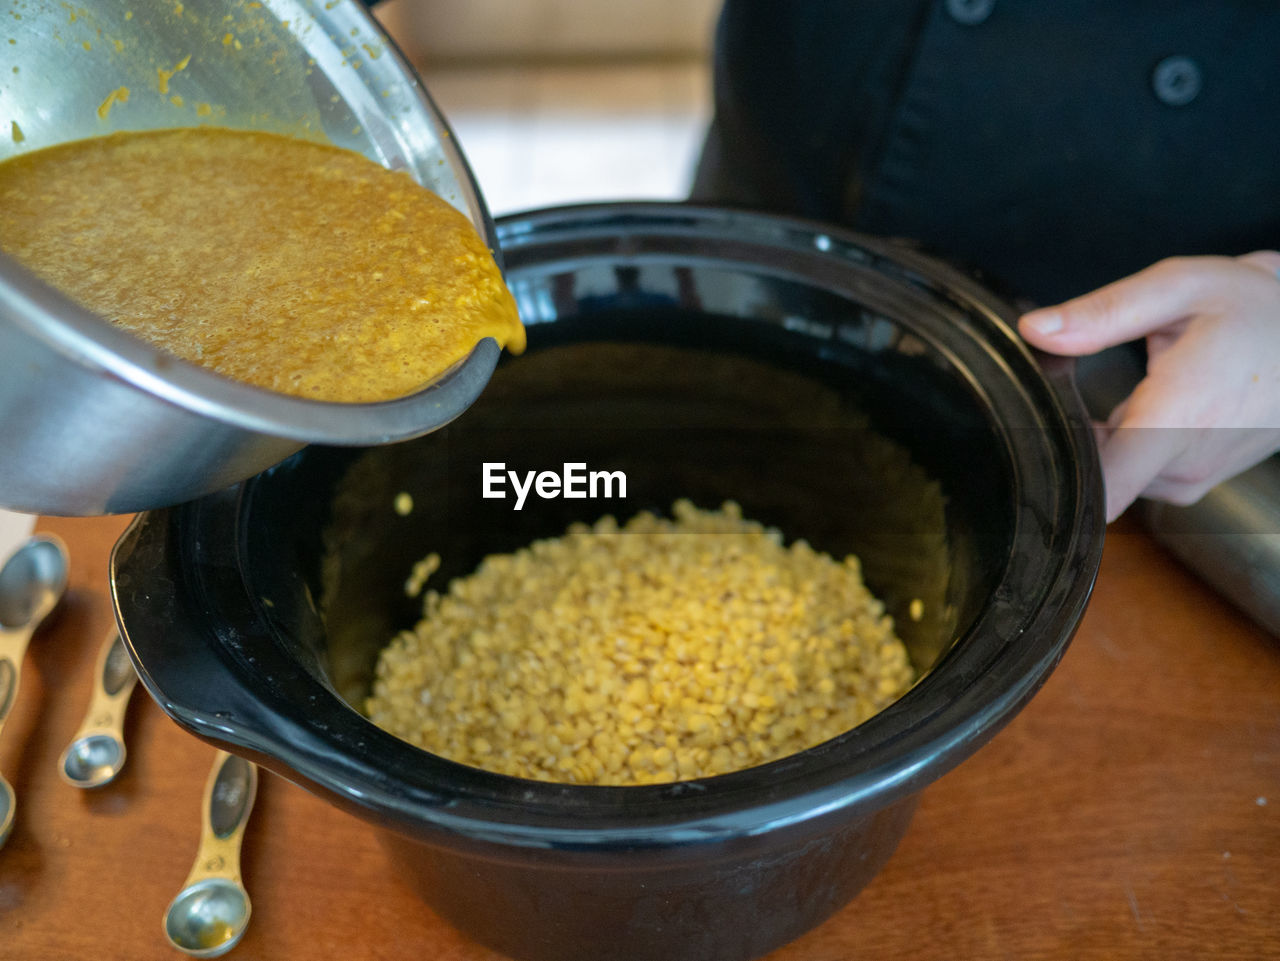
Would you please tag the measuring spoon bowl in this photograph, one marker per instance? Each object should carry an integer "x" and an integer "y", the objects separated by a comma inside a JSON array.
[
  {"x": 211, "y": 912},
  {"x": 97, "y": 752},
  {"x": 31, "y": 582},
  {"x": 92, "y": 760},
  {"x": 7, "y": 804},
  {"x": 208, "y": 918}
]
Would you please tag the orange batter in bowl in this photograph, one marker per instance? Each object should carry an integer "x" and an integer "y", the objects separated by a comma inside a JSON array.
[{"x": 295, "y": 266}]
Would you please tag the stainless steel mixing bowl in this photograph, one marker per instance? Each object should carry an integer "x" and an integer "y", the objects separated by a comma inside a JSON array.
[{"x": 92, "y": 420}]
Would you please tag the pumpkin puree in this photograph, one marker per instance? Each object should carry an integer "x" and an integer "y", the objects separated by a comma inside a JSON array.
[{"x": 295, "y": 266}]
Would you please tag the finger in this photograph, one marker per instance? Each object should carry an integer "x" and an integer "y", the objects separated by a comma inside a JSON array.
[
  {"x": 1180, "y": 493},
  {"x": 1122, "y": 311},
  {"x": 1268, "y": 260},
  {"x": 1119, "y": 413},
  {"x": 1101, "y": 432},
  {"x": 1211, "y": 457},
  {"x": 1133, "y": 457}
]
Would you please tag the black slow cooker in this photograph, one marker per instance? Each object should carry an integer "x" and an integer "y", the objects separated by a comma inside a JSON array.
[{"x": 849, "y": 391}]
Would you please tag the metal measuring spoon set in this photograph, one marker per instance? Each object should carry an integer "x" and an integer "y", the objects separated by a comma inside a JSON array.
[
  {"x": 32, "y": 581},
  {"x": 211, "y": 912}
]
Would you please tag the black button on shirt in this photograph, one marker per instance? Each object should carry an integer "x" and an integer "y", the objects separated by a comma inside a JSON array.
[
  {"x": 970, "y": 12},
  {"x": 1176, "y": 80}
]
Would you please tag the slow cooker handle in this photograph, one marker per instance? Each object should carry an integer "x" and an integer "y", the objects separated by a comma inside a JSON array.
[
  {"x": 165, "y": 624},
  {"x": 164, "y": 639}
]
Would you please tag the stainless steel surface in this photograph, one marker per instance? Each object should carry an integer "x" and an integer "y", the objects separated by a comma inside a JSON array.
[
  {"x": 211, "y": 912},
  {"x": 32, "y": 582},
  {"x": 97, "y": 752},
  {"x": 1231, "y": 538},
  {"x": 94, "y": 421}
]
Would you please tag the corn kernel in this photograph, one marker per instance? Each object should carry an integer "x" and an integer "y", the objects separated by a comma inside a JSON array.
[{"x": 640, "y": 654}]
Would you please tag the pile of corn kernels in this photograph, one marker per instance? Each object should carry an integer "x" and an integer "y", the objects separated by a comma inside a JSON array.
[{"x": 659, "y": 651}]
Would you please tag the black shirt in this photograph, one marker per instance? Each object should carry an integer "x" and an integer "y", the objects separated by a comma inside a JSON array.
[{"x": 1055, "y": 144}]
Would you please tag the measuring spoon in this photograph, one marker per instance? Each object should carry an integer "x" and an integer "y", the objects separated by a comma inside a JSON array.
[
  {"x": 32, "y": 582},
  {"x": 96, "y": 754},
  {"x": 211, "y": 912}
]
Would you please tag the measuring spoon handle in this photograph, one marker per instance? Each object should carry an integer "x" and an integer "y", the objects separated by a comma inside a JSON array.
[
  {"x": 13, "y": 647},
  {"x": 114, "y": 680},
  {"x": 96, "y": 752},
  {"x": 228, "y": 800}
]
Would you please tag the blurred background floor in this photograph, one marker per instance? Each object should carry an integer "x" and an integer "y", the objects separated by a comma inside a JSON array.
[{"x": 557, "y": 102}]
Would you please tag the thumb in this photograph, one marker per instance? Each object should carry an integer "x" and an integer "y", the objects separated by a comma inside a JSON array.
[{"x": 1122, "y": 311}]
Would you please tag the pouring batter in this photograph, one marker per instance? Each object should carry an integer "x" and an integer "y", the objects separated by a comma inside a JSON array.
[{"x": 295, "y": 266}]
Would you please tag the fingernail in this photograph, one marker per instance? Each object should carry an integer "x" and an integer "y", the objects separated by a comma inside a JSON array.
[{"x": 1044, "y": 323}]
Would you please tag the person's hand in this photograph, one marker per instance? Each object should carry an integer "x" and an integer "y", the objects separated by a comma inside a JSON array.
[{"x": 1209, "y": 406}]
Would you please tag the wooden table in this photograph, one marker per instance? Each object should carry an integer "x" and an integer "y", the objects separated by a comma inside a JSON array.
[{"x": 1131, "y": 811}]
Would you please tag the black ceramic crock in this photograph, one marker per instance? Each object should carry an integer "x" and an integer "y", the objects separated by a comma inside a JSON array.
[{"x": 853, "y": 393}]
